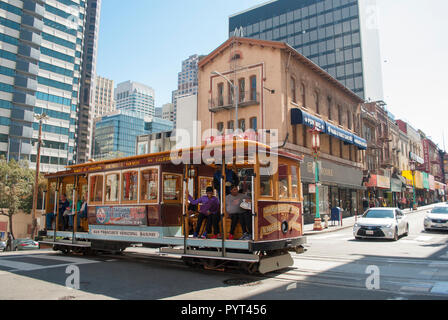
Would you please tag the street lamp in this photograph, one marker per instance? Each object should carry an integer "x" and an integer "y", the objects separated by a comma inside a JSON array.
[
  {"x": 235, "y": 98},
  {"x": 315, "y": 145},
  {"x": 40, "y": 118},
  {"x": 413, "y": 167}
]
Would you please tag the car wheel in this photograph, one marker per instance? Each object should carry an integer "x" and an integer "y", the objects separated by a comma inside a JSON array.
[
  {"x": 407, "y": 231},
  {"x": 395, "y": 235}
]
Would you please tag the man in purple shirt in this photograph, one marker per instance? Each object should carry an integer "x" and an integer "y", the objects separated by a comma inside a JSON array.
[{"x": 209, "y": 210}]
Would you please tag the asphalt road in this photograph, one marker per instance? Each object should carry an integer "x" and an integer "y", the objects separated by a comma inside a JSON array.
[{"x": 335, "y": 266}]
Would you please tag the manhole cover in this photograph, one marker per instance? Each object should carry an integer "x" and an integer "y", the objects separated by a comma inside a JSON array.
[
  {"x": 241, "y": 282},
  {"x": 67, "y": 298}
]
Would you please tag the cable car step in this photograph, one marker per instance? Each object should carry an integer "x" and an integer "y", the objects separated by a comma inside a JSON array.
[
  {"x": 231, "y": 256},
  {"x": 68, "y": 243}
]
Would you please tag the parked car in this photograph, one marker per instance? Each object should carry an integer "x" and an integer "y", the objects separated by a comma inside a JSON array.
[
  {"x": 2, "y": 246},
  {"x": 388, "y": 223},
  {"x": 437, "y": 218},
  {"x": 25, "y": 244}
]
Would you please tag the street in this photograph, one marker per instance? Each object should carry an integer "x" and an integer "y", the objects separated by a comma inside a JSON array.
[{"x": 335, "y": 266}]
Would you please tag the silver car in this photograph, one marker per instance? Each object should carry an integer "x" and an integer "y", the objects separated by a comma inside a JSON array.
[
  {"x": 387, "y": 223},
  {"x": 2, "y": 246},
  {"x": 437, "y": 218}
]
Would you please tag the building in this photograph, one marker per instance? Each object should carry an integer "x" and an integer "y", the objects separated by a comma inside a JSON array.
[
  {"x": 41, "y": 50},
  {"x": 155, "y": 142},
  {"x": 341, "y": 36},
  {"x": 156, "y": 125},
  {"x": 187, "y": 81},
  {"x": 282, "y": 91},
  {"x": 103, "y": 98},
  {"x": 188, "y": 133},
  {"x": 135, "y": 97},
  {"x": 159, "y": 113},
  {"x": 116, "y": 134},
  {"x": 168, "y": 112},
  {"x": 87, "y": 81}
]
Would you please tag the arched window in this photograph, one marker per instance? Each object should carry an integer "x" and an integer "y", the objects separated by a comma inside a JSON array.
[{"x": 303, "y": 94}]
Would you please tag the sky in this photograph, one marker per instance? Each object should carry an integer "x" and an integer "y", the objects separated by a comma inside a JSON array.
[{"x": 147, "y": 40}]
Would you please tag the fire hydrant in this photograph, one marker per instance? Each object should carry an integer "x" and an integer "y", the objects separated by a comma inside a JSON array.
[{"x": 326, "y": 218}]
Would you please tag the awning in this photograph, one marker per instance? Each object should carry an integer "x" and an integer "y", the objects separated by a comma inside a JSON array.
[{"x": 301, "y": 117}]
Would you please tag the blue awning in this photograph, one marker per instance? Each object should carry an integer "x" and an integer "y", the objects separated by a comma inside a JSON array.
[
  {"x": 301, "y": 117},
  {"x": 339, "y": 133}
]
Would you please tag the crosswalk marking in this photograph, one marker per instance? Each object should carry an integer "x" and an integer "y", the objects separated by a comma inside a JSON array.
[
  {"x": 440, "y": 288},
  {"x": 17, "y": 266}
]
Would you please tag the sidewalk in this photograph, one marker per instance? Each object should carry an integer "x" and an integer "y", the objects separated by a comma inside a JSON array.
[{"x": 349, "y": 222}]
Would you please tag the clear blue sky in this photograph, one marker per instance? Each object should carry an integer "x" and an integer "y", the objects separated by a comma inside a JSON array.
[{"x": 146, "y": 41}]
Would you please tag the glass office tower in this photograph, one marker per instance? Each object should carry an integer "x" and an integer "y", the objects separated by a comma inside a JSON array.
[
  {"x": 41, "y": 45},
  {"x": 340, "y": 36}
]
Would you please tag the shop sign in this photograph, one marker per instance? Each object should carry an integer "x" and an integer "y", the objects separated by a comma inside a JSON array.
[{"x": 416, "y": 158}]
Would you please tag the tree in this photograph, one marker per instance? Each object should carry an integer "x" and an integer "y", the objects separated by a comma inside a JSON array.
[{"x": 16, "y": 188}]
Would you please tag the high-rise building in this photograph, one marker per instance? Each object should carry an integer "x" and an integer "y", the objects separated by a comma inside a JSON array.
[
  {"x": 135, "y": 97},
  {"x": 187, "y": 81},
  {"x": 168, "y": 112},
  {"x": 340, "y": 36},
  {"x": 116, "y": 134},
  {"x": 41, "y": 50},
  {"x": 103, "y": 97},
  {"x": 88, "y": 71}
]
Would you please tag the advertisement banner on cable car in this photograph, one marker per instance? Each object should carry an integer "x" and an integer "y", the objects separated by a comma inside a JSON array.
[
  {"x": 121, "y": 216},
  {"x": 279, "y": 220}
]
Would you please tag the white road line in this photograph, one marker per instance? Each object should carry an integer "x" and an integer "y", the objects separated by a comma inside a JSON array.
[
  {"x": 17, "y": 266},
  {"x": 423, "y": 238},
  {"x": 65, "y": 259}
]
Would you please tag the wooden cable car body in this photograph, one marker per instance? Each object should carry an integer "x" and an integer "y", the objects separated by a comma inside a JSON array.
[{"x": 144, "y": 200}]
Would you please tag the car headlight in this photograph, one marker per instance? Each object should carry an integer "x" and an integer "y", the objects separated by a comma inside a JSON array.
[
  {"x": 388, "y": 225},
  {"x": 357, "y": 225}
]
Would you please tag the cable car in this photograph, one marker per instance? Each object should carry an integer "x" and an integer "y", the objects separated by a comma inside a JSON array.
[{"x": 144, "y": 200}]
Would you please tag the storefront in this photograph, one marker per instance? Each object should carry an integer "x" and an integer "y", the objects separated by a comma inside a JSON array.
[
  {"x": 339, "y": 186},
  {"x": 378, "y": 187}
]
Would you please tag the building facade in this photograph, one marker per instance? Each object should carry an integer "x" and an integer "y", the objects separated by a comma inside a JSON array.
[
  {"x": 168, "y": 112},
  {"x": 41, "y": 50},
  {"x": 274, "y": 79},
  {"x": 116, "y": 135},
  {"x": 341, "y": 36},
  {"x": 87, "y": 81},
  {"x": 187, "y": 82},
  {"x": 131, "y": 96}
]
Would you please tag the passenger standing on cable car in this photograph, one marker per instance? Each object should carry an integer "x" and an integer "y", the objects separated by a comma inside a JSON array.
[
  {"x": 231, "y": 179},
  {"x": 209, "y": 210}
]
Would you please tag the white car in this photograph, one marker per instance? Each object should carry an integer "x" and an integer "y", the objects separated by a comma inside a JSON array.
[
  {"x": 388, "y": 223},
  {"x": 437, "y": 218}
]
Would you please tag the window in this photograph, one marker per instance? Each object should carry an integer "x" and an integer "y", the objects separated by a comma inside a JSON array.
[
  {"x": 303, "y": 93},
  {"x": 130, "y": 186},
  {"x": 220, "y": 94},
  {"x": 242, "y": 124},
  {"x": 112, "y": 187},
  {"x": 266, "y": 176},
  {"x": 253, "y": 88},
  {"x": 172, "y": 187},
  {"x": 241, "y": 89},
  {"x": 330, "y": 116},
  {"x": 96, "y": 189},
  {"x": 295, "y": 183},
  {"x": 253, "y": 123},
  {"x": 230, "y": 93},
  {"x": 293, "y": 90},
  {"x": 283, "y": 185},
  {"x": 149, "y": 182},
  {"x": 316, "y": 101},
  {"x": 230, "y": 125},
  {"x": 339, "y": 114},
  {"x": 220, "y": 127}
]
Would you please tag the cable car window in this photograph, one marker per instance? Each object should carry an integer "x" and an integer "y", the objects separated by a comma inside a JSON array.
[
  {"x": 294, "y": 183},
  {"x": 112, "y": 187},
  {"x": 130, "y": 185},
  {"x": 172, "y": 187},
  {"x": 96, "y": 189},
  {"x": 283, "y": 183},
  {"x": 266, "y": 183},
  {"x": 149, "y": 184}
]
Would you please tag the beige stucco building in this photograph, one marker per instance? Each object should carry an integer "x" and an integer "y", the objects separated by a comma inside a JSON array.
[{"x": 280, "y": 90}]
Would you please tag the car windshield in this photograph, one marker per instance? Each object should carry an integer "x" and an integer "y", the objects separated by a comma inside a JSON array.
[
  {"x": 379, "y": 214},
  {"x": 440, "y": 210}
]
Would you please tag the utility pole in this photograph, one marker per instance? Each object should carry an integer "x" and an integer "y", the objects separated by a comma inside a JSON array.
[{"x": 40, "y": 118}]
